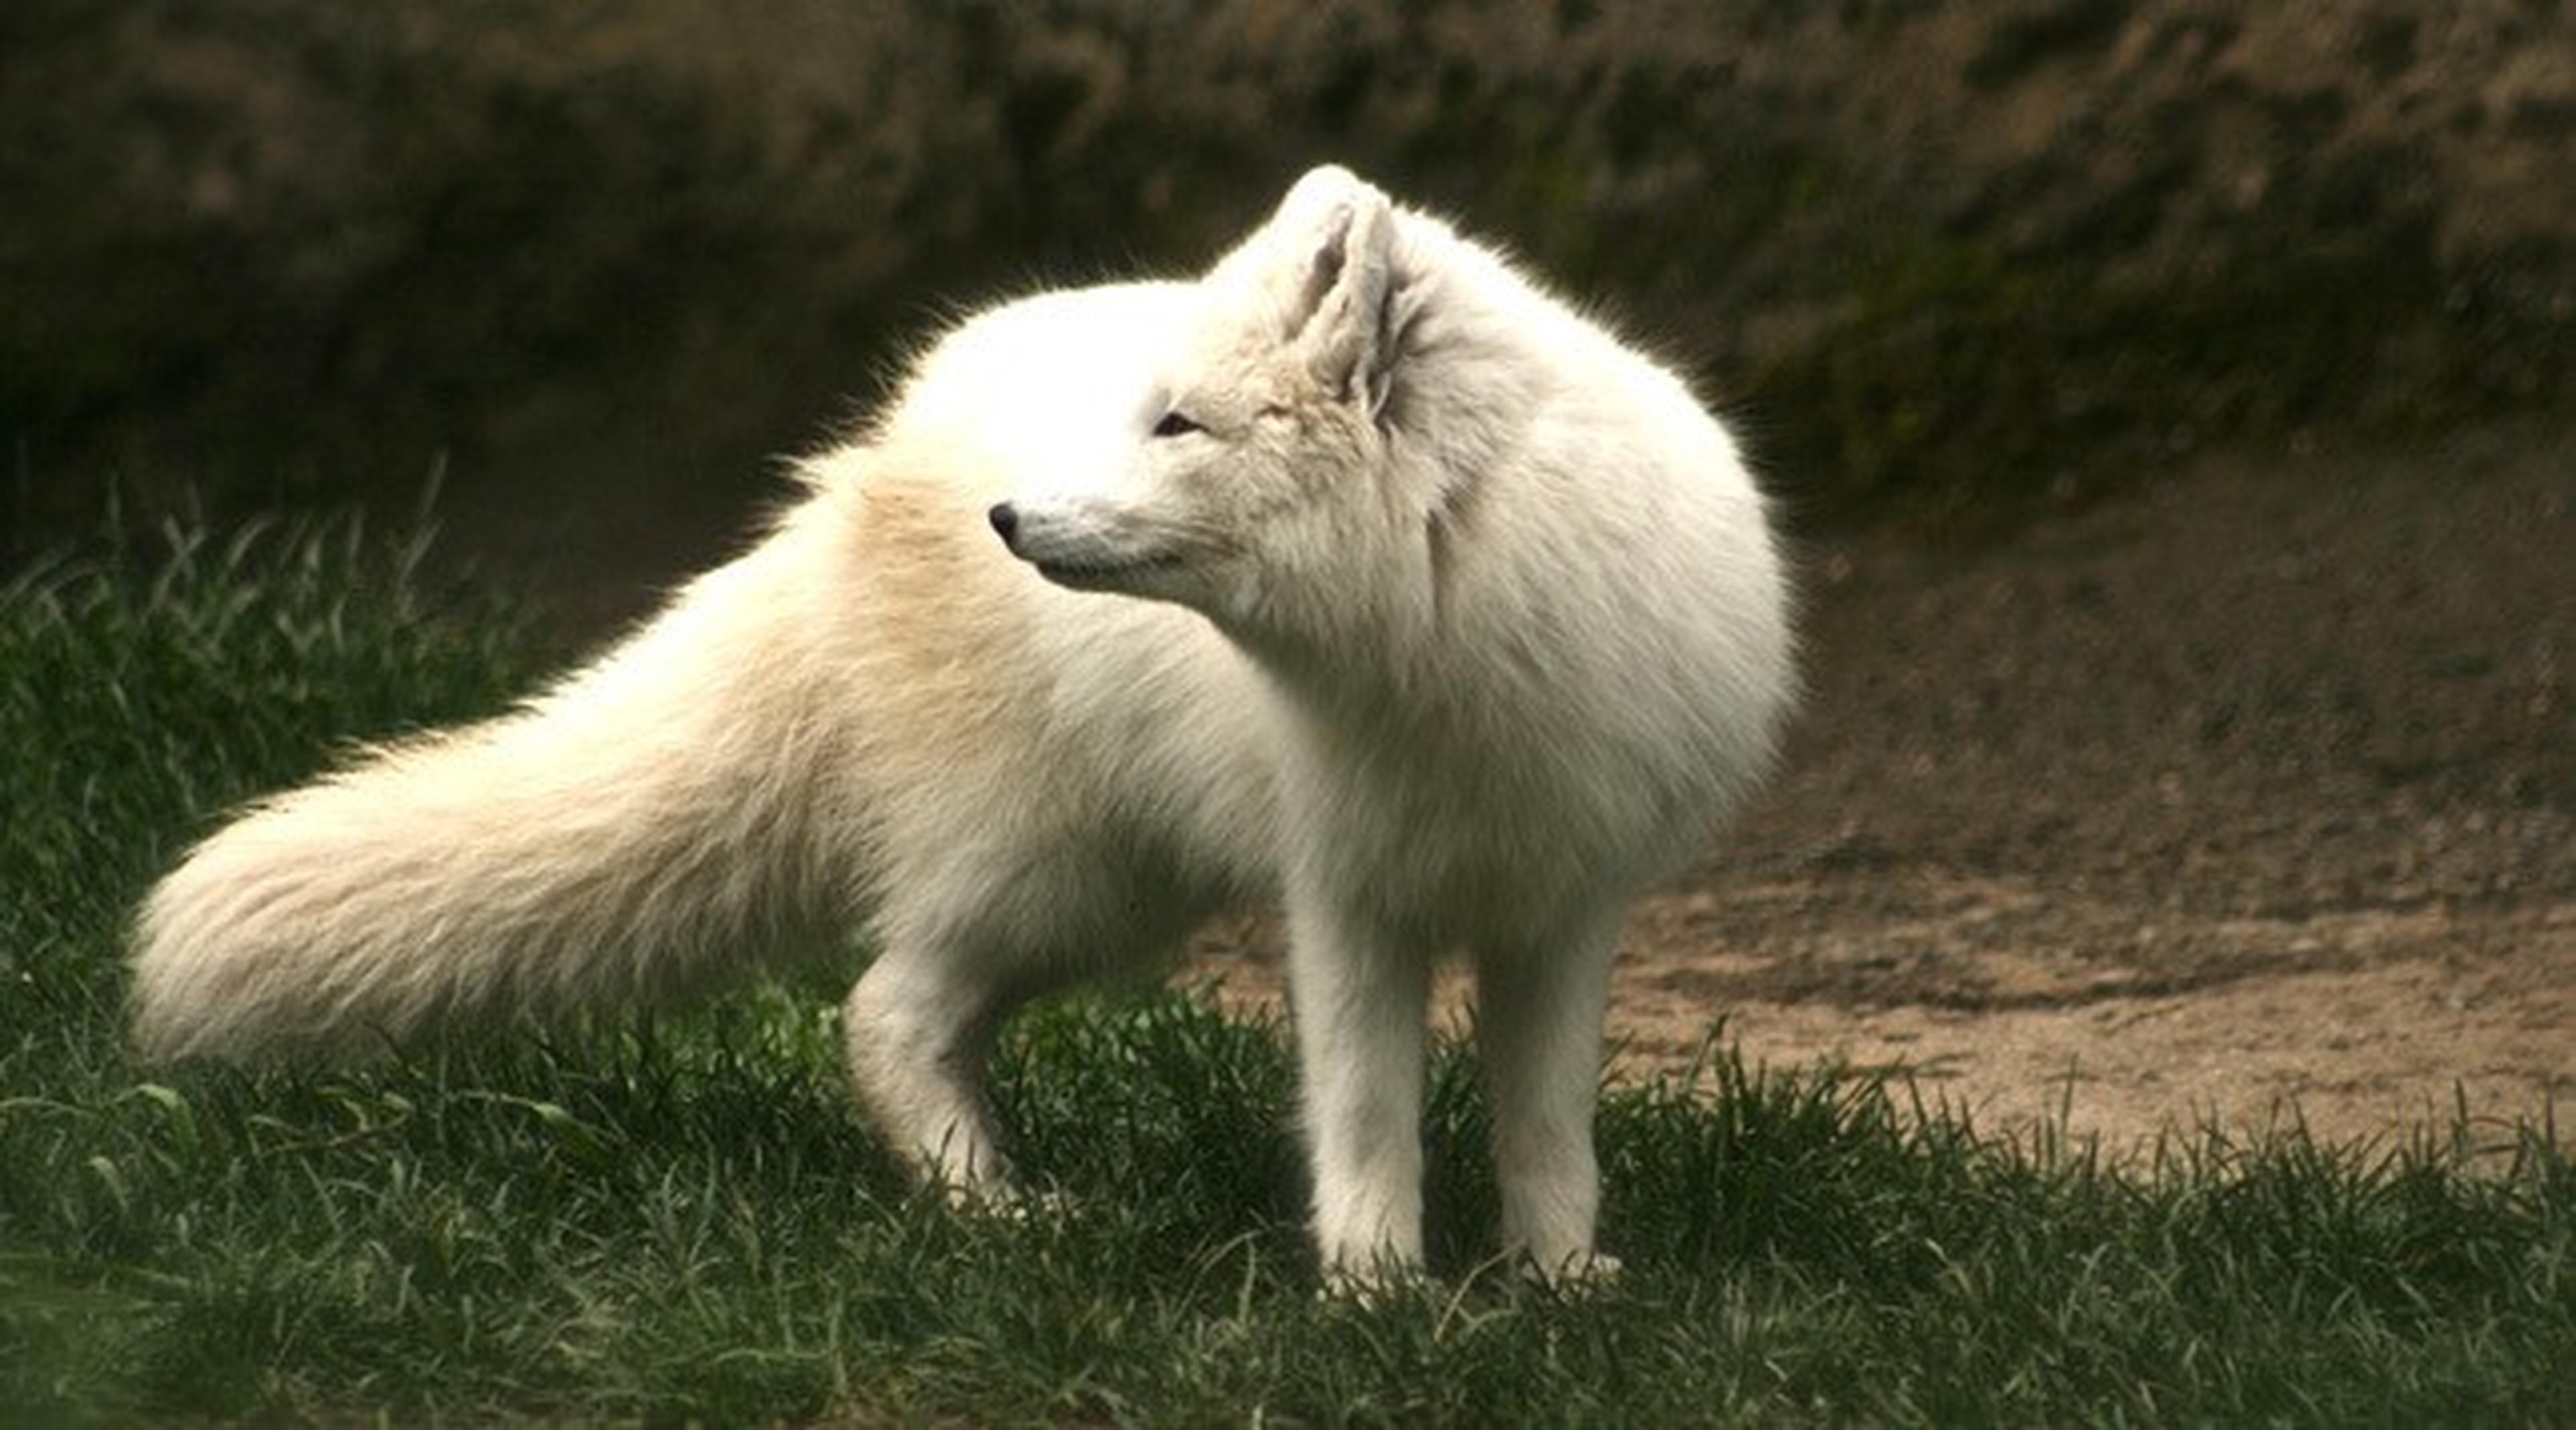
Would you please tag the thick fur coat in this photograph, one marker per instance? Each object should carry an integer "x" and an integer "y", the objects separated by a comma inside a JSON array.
[{"x": 1358, "y": 574}]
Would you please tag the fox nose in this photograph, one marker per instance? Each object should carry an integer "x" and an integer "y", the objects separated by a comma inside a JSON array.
[{"x": 1006, "y": 521}]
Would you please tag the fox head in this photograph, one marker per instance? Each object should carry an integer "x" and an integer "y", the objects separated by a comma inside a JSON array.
[{"x": 1253, "y": 477}]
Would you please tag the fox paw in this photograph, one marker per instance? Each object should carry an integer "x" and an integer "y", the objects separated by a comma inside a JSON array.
[
  {"x": 1370, "y": 1283},
  {"x": 1578, "y": 1274}
]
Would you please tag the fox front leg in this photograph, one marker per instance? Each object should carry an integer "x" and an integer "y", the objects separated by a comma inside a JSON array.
[
  {"x": 1360, "y": 1000},
  {"x": 1538, "y": 1033}
]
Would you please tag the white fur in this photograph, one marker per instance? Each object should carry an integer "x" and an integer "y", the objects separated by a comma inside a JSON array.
[{"x": 1436, "y": 612}]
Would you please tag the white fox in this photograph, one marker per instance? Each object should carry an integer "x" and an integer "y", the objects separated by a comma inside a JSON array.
[{"x": 1430, "y": 609}]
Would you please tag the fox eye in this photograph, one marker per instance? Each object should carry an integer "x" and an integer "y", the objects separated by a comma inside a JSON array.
[{"x": 1173, "y": 424}]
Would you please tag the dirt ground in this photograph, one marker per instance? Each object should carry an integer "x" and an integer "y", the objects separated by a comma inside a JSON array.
[{"x": 2250, "y": 796}]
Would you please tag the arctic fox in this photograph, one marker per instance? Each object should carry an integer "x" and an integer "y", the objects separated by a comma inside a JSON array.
[{"x": 1358, "y": 574}]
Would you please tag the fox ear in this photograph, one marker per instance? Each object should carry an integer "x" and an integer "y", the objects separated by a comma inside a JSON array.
[{"x": 1337, "y": 276}]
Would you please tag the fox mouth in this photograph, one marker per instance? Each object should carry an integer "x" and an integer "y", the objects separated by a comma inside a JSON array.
[
  {"x": 1077, "y": 553},
  {"x": 1093, "y": 572}
]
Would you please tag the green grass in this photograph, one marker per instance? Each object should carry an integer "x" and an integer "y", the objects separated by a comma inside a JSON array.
[{"x": 680, "y": 1219}]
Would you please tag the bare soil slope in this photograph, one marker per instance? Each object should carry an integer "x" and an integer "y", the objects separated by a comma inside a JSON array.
[{"x": 2250, "y": 795}]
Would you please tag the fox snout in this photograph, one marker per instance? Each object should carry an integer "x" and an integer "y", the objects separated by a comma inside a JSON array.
[
  {"x": 1006, "y": 524},
  {"x": 1088, "y": 546}
]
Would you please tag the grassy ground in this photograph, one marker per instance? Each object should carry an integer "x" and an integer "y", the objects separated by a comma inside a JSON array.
[{"x": 680, "y": 1219}]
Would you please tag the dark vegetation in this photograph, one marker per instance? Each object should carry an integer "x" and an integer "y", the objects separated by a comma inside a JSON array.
[
  {"x": 679, "y": 1219},
  {"x": 596, "y": 267}
]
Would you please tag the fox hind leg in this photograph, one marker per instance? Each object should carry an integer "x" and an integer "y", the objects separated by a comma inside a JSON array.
[
  {"x": 921, "y": 1022},
  {"x": 920, "y": 1026}
]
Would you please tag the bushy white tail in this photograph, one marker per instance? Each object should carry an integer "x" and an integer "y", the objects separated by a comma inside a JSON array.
[{"x": 650, "y": 823}]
